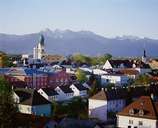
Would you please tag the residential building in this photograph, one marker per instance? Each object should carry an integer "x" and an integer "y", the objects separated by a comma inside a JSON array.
[
  {"x": 31, "y": 102},
  {"x": 79, "y": 90},
  {"x": 117, "y": 79},
  {"x": 142, "y": 113},
  {"x": 65, "y": 93},
  {"x": 106, "y": 101},
  {"x": 49, "y": 93}
]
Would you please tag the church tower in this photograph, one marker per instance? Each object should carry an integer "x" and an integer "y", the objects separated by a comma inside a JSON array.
[
  {"x": 38, "y": 51},
  {"x": 144, "y": 57}
]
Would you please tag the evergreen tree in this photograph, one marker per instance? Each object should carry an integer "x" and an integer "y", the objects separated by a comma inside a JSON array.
[{"x": 7, "y": 106}]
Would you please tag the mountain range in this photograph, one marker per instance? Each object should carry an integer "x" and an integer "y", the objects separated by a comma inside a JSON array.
[{"x": 66, "y": 42}]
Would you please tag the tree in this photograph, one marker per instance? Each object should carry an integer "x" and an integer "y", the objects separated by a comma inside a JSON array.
[
  {"x": 142, "y": 80},
  {"x": 7, "y": 106},
  {"x": 81, "y": 76},
  {"x": 6, "y": 62}
]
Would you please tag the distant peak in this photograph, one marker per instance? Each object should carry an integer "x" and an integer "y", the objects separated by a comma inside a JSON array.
[{"x": 130, "y": 37}]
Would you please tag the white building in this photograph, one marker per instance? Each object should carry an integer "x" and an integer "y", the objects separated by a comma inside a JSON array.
[
  {"x": 65, "y": 93},
  {"x": 79, "y": 90},
  {"x": 38, "y": 51},
  {"x": 31, "y": 102},
  {"x": 99, "y": 72},
  {"x": 117, "y": 79},
  {"x": 105, "y": 102},
  {"x": 117, "y": 65},
  {"x": 49, "y": 93},
  {"x": 143, "y": 113}
]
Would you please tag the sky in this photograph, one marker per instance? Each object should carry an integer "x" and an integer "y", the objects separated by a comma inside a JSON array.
[{"x": 108, "y": 18}]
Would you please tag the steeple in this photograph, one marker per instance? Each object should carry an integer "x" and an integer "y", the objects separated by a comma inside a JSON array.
[
  {"x": 144, "y": 54},
  {"x": 41, "y": 40},
  {"x": 144, "y": 57}
]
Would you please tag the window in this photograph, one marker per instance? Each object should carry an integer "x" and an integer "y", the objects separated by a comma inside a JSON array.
[
  {"x": 140, "y": 122},
  {"x": 131, "y": 112},
  {"x": 141, "y": 112},
  {"x": 130, "y": 122}
]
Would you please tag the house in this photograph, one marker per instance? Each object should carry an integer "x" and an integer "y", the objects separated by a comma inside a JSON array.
[
  {"x": 59, "y": 78},
  {"x": 32, "y": 77},
  {"x": 65, "y": 93},
  {"x": 49, "y": 93},
  {"x": 117, "y": 79},
  {"x": 99, "y": 72},
  {"x": 141, "y": 67},
  {"x": 117, "y": 64},
  {"x": 153, "y": 63},
  {"x": 105, "y": 102},
  {"x": 142, "y": 113},
  {"x": 79, "y": 90},
  {"x": 131, "y": 73},
  {"x": 31, "y": 102}
]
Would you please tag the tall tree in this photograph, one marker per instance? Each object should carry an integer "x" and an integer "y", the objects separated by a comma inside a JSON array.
[
  {"x": 81, "y": 76},
  {"x": 7, "y": 106}
]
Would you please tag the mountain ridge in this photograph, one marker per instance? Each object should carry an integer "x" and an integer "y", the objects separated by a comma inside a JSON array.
[{"x": 67, "y": 42}]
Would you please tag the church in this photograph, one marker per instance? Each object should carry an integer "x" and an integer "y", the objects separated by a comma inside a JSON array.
[{"x": 38, "y": 51}]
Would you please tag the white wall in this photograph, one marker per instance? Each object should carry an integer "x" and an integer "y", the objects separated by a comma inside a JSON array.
[
  {"x": 44, "y": 109},
  {"x": 25, "y": 109},
  {"x": 63, "y": 96},
  {"x": 107, "y": 65},
  {"x": 116, "y": 79},
  {"x": 98, "y": 109},
  {"x": 123, "y": 122},
  {"x": 41, "y": 92}
]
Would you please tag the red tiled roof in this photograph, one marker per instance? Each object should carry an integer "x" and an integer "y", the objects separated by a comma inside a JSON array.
[
  {"x": 129, "y": 71},
  {"x": 145, "y": 104}
]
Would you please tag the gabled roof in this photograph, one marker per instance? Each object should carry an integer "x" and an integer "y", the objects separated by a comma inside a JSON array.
[
  {"x": 80, "y": 87},
  {"x": 140, "y": 64},
  {"x": 30, "y": 97},
  {"x": 129, "y": 71},
  {"x": 128, "y": 63},
  {"x": 117, "y": 63},
  {"x": 112, "y": 94},
  {"x": 144, "y": 104},
  {"x": 66, "y": 89},
  {"x": 50, "y": 91}
]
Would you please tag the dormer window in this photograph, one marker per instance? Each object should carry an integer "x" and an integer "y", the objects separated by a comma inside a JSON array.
[
  {"x": 131, "y": 111},
  {"x": 141, "y": 112}
]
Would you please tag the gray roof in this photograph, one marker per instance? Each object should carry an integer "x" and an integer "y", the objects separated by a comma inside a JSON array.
[
  {"x": 50, "y": 91},
  {"x": 30, "y": 97}
]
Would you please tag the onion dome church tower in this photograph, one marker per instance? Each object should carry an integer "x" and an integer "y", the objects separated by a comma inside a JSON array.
[{"x": 39, "y": 51}]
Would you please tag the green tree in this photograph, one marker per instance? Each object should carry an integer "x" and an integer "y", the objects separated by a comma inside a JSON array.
[
  {"x": 6, "y": 61},
  {"x": 7, "y": 106},
  {"x": 142, "y": 80},
  {"x": 81, "y": 76}
]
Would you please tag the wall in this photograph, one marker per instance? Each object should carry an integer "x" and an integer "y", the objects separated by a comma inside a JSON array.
[
  {"x": 123, "y": 122},
  {"x": 37, "y": 110},
  {"x": 44, "y": 109},
  {"x": 98, "y": 109}
]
